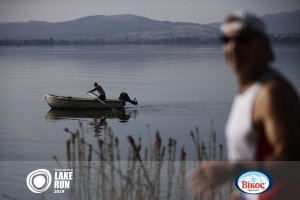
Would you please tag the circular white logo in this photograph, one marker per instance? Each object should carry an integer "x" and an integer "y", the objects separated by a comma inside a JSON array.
[
  {"x": 253, "y": 182},
  {"x": 39, "y": 180}
]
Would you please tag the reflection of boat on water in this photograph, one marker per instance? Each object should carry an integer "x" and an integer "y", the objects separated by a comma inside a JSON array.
[
  {"x": 61, "y": 114},
  {"x": 96, "y": 117}
]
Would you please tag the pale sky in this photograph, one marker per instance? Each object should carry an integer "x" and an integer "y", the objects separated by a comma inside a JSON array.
[{"x": 197, "y": 11}]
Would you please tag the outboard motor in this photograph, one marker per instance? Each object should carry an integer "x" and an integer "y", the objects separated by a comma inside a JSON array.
[{"x": 125, "y": 97}]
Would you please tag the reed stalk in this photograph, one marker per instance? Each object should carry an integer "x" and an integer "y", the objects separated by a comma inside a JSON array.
[{"x": 141, "y": 176}]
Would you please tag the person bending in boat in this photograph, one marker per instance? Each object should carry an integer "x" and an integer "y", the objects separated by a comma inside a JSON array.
[{"x": 100, "y": 90}]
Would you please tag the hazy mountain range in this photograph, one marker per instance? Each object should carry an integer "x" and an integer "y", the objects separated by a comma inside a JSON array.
[
  {"x": 132, "y": 27},
  {"x": 280, "y": 23}
]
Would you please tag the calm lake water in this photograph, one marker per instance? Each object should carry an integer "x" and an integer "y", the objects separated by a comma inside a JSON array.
[{"x": 179, "y": 88}]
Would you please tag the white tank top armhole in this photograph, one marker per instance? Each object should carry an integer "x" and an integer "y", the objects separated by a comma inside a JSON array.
[{"x": 240, "y": 133}]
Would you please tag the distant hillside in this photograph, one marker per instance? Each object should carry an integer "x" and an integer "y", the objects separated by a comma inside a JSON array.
[
  {"x": 280, "y": 23},
  {"x": 132, "y": 29},
  {"x": 101, "y": 27},
  {"x": 283, "y": 23}
]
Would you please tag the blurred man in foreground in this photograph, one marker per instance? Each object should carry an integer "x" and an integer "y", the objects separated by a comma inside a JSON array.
[{"x": 264, "y": 122}]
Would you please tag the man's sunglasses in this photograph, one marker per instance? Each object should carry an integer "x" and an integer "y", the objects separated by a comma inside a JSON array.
[{"x": 241, "y": 39}]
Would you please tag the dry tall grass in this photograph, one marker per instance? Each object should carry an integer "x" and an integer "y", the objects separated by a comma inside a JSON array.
[{"x": 154, "y": 172}]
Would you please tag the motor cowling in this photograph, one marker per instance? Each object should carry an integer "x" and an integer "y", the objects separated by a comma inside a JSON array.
[{"x": 125, "y": 97}]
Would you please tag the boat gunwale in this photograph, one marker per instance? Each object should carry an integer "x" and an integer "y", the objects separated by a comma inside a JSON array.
[{"x": 78, "y": 98}]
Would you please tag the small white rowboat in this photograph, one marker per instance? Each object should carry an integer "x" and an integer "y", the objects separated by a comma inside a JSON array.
[{"x": 80, "y": 103}]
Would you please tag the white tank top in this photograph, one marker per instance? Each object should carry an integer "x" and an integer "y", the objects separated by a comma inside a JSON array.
[
  {"x": 243, "y": 139},
  {"x": 240, "y": 133}
]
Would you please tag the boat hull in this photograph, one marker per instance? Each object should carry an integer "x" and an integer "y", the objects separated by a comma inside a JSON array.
[{"x": 62, "y": 102}]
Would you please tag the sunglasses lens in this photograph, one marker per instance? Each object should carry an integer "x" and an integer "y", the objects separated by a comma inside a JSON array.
[
  {"x": 225, "y": 39},
  {"x": 242, "y": 39}
]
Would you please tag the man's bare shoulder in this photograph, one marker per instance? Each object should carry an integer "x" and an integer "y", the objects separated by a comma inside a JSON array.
[
  {"x": 276, "y": 98},
  {"x": 278, "y": 92}
]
